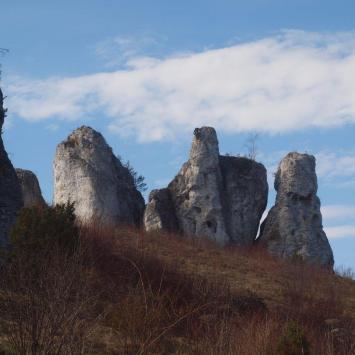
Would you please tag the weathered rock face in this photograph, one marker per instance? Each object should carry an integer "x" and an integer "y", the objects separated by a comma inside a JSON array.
[
  {"x": 245, "y": 192},
  {"x": 160, "y": 212},
  {"x": 10, "y": 190},
  {"x": 31, "y": 191},
  {"x": 218, "y": 197},
  {"x": 87, "y": 173},
  {"x": 196, "y": 190},
  {"x": 293, "y": 227}
]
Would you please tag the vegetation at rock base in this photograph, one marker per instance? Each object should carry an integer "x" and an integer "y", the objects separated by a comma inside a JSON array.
[
  {"x": 95, "y": 290},
  {"x": 40, "y": 229}
]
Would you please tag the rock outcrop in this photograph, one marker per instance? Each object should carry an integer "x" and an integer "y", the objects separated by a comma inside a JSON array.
[
  {"x": 160, "y": 213},
  {"x": 293, "y": 227},
  {"x": 31, "y": 191},
  {"x": 10, "y": 190},
  {"x": 87, "y": 173},
  {"x": 218, "y": 197}
]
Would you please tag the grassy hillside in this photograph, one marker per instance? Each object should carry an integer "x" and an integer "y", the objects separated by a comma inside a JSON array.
[{"x": 122, "y": 291}]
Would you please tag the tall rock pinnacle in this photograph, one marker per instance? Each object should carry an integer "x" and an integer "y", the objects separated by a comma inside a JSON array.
[
  {"x": 87, "y": 173},
  {"x": 196, "y": 190},
  {"x": 293, "y": 227},
  {"x": 218, "y": 197}
]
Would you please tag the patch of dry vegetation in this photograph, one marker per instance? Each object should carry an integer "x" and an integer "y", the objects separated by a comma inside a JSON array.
[{"x": 124, "y": 291}]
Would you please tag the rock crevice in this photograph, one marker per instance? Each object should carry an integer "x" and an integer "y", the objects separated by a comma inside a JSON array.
[{"x": 31, "y": 191}]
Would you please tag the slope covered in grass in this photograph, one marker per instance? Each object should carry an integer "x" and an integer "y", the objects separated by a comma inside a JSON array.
[{"x": 123, "y": 291}]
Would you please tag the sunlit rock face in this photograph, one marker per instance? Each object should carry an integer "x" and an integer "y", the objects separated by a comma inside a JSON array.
[
  {"x": 293, "y": 227},
  {"x": 218, "y": 197},
  {"x": 10, "y": 191},
  {"x": 87, "y": 173},
  {"x": 31, "y": 191}
]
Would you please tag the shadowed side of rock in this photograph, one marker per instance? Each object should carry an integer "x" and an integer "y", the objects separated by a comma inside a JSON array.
[
  {"x": 31, "y": 191},
  {"x": 10, "y": 191},
  {"x": 293, "y": 227},
  {"x": 196, "y": 190},
  {"x": 87, "y": 173},
  {"x": 221, "y": 198},
  {"x": 160, "y": 212},
  {"x": 244, "y": 194}
]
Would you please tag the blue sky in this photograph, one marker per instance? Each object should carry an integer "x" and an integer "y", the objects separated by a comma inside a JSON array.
[{"x": 145, "y": 73}]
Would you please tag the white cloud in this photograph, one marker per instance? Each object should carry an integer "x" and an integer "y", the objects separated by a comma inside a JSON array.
[
  {"x": 53, "y": 127},
  {"x": 336, "y": 213},
  {"x": 331, "y": 165},
  {"x": 288, "y": 82},
  {"x": 333, "y": 212},
  {"x": 342, "y": 231},
  {"x": 128, "y": 50}
]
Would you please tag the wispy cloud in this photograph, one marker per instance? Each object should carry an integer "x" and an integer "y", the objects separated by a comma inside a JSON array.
[
  {"x": 331, "y": 165},
  {"x": 334, "y": 212},
  {"x": 288, "y": 82},
  {"x": 336, "y": 167},
  {"x": 338, "y": 220},
  {"x": 342, "y": 231},
  {"x": 128, "y": 50}
]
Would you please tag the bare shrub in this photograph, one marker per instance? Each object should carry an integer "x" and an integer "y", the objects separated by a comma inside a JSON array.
[
  {"x": 50, "y": 311},
  {"x": 251, "y": 145},
  {"x": 158, "y": 308},
  {"x": 347, "y": 273},
  {"x": 293, "y": 341},
  {"x": 151, "y": 302},
  {"x": 47, "y": 298},
  {"x": 310, "y": 294},
  {"x": 162, "y": 294}
]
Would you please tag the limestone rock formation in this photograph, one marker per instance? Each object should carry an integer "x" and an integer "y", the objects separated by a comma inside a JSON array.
[
  {"x": 245, "y": 193},
  {"x": 31, "y": 191},
  {"x": 160, "y": 212},
  {"x": 293, "y": 227},
  {"x": 87, "y": 173},
  {"x": 218, "y": 197},
  {"x": 10, "y": 190}
]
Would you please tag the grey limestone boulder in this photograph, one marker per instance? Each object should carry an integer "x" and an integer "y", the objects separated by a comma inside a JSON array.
[
  {"x": 160, "y": 212},
  {"x": 293, "y": 227},
  {"x": 31, "y": 191},
  {"x": 245, "y": 192},
  {"x": 218, "y": 197},
  {"x": 87, "y": 173}
]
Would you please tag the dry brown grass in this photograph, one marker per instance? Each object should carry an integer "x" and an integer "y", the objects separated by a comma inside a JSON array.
[{"x": 164, "y": 294}]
